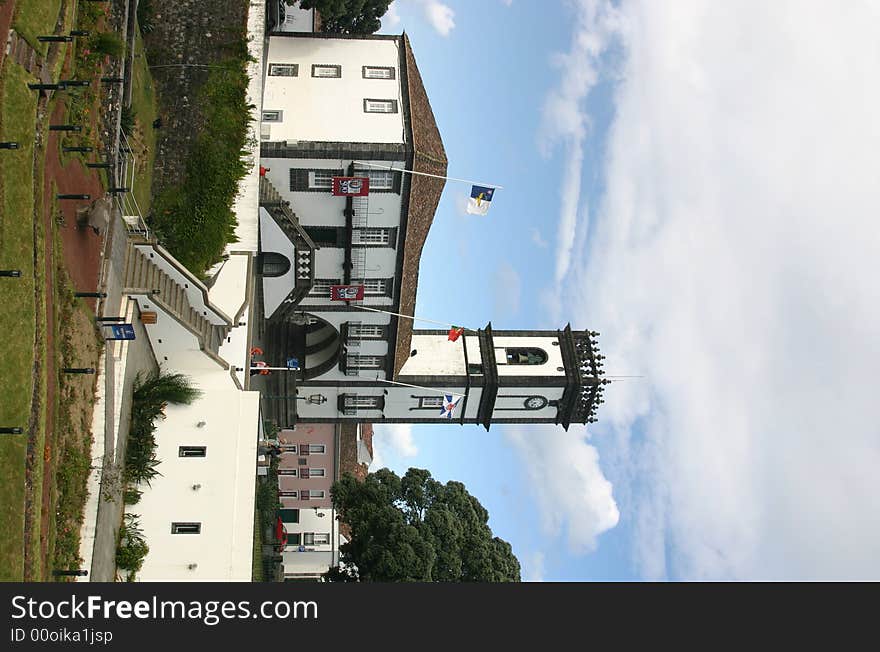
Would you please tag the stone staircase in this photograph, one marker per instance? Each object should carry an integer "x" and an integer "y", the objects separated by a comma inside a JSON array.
[{"x": 142, "y": 276}]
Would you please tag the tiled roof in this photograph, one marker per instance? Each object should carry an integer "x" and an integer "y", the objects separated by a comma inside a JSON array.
[
  {"x": 348, "y": 458},
  {"x": 428, "y": 156}
]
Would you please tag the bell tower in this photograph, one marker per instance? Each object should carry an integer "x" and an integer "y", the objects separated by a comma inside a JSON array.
[{"x": 483, "y": 377}]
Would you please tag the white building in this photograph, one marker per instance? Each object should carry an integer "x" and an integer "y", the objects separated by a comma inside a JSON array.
[{"x": 342, "y": 107}]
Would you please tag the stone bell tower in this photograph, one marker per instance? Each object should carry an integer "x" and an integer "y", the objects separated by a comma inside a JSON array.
[{"x": 485, "y": 376}]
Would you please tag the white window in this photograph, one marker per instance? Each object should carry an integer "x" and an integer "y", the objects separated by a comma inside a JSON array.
[
  {"x": 317, "y": 449},
  {"x": 381, "y": 179},
  {"x": 283, "y": 70},
  {"x": 366, "y": 331},
  {"x": 321, "y": 179},
  {"x": 186, "y": 528},
  {"x": 370, "y": 236},
  {"x": 356, "y": 401},
  {"x": 321, "y": 286},
  {"x": 273, "y": 116},
  {"x": 376, "y": 286},
  {"x": 313, "y": 494},
  {"x": 287, "y": 472},
  {"x": 316, "y": 473},
  {"x": 431, "y": 401},
  {"x": 380, "y": 106},
  {"x": 378, "y": 72},
  {"x": 327, "y": 71},
  {"x": 316, "y": 538},
  {"x": 365, "y": 361},
  {"x": 288, "y": 494}
]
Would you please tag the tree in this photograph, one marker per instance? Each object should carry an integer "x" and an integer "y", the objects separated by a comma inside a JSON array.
[
  {"x": 348, "y": 16},
  {"x": 415, "y": 529}
]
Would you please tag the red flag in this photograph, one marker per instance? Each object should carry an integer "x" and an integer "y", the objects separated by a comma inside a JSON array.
[
  {"x": 346, "y": 293},
  {"x": 351, "y": 186},
  {"x": 454, "y": 333}
]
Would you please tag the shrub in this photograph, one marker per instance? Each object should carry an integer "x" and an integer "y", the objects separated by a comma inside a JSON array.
[
  {"x": 146, "y": 16},
  {"x": 194, "y": 219},
  {"x": 131, "y": 549},
  {"x": 127, "y": 120},
  {"x": 108, "y": 43},
  {"x": 152, "y": 393},
  {"x": 131, "y": 495}
]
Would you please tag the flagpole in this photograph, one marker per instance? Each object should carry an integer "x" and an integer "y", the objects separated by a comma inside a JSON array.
[
  {"x": 397, "y": 314},
  {"x": 425, "y": 174},
  {"x": 427, "y": 389}
]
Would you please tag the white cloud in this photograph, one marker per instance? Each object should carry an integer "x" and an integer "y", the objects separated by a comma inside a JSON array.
[
  {"x": 564, "y": 120},
  {"x": 507, "y": 290},
  {"x": 538, "y": 239},
  {"x": 734, "y": 262},
  {"x": 391, "y": 18},
  {"x": 391, "y": 442},
  {"x": 439, "y": 15},
  {"x": 574, "y": 497}
]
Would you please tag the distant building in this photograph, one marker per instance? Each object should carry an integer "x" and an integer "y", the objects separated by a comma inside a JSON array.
[{"x": 282, "y": 17}]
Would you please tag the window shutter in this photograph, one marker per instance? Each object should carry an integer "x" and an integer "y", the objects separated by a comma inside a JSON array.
[
  {"x": 303, "y": 449},
  {"x": 304, "y": 473},
  {"x": 304, "y": 494},
  {"x": 302, "y": 461}
]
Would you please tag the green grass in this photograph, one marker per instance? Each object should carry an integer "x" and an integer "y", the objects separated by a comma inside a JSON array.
[
  {"x": 68, "y": 25},
  {"x": 17, "y": 114},
  {"x": 143, "y": 102},
  {"x": 35, "y": 18},
  {"x": 194, "y": 219}
]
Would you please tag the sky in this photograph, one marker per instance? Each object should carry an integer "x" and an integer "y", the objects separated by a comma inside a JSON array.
[{"x": 699, "y": 182}]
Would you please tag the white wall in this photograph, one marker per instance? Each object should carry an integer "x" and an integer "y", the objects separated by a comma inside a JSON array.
[
  {"x": 296, "y": 19},
  {"x": 224, "y": 503},
  {"x": 272, "y": 238},
  {"x": 247, "y": 198},
  {"x": 315, "y": 559},
  {"x": 317, "y": 109},
  {"x": 550, "y": 345}
]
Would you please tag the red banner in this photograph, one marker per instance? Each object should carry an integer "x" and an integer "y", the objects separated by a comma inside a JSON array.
[
  {"x": 351, "y": 186},
  {"x": 346, "y": 292}
]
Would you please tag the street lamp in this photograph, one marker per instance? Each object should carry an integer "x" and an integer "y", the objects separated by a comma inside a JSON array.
[{"x": 314, "y": 399}]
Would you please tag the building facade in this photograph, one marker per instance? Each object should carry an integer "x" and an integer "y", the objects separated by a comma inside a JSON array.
[{"x": 333, "y": 108}]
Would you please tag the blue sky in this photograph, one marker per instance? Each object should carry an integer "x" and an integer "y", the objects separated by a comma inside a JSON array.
[{"x": 697, "y": 181}]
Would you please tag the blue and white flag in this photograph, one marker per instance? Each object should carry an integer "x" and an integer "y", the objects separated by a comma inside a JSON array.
[
  {"x": 481, "y": 196},
  {"x": 448, "y": 409}
]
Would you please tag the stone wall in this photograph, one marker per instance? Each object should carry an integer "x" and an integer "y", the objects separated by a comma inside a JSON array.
[{"x": 188, "y": 36}]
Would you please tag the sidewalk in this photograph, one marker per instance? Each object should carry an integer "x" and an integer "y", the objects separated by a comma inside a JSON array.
[{"x": 119, "y": 365}]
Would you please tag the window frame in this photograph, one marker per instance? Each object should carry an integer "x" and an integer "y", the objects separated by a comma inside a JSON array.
[
  {"x": 391, "y": 104},
  {"x": 373, "y": 236},
  {"x": 321, "y": 179},
  {"x": 274, "y": 66},
  {"x": 182, "y": 451},
  {"x": 277, "y": 113},
  {"x": 336, "y": 68},
  {"x": 392, "y": 76},
  {"x": 186, "y": 527}
]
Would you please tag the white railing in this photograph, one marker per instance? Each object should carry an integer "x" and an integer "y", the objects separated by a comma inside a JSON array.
[{"x": 126, "y": 202}]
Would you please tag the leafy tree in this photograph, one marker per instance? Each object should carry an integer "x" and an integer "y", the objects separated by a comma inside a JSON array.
[
  {"x": 415, "y": 529},
  {"x": 348, "y": 16}
]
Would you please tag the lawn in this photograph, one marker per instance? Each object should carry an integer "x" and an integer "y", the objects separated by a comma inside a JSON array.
[
  {"x": 35, "y": 18},
  {"x": 143, "y": 139},
  {"x": 17, "y": 323}
]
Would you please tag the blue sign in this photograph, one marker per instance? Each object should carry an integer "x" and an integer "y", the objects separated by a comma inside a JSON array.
[
  {"x": 301, "y": 549},
  {"x": 121, "y": 332},
  {"x": 293, "y": 363}
]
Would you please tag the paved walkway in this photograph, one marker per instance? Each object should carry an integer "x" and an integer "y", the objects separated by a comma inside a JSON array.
[{"x": 122, "y": 360}]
